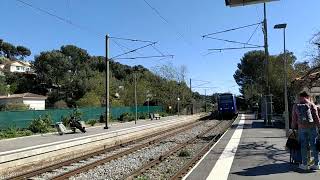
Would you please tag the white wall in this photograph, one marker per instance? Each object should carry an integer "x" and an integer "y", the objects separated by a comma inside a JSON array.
[
  {"x": 13, "y": 68},
  {"x": 35, "y": 104}
]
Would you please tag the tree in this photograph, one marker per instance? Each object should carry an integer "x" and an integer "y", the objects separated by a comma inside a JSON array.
[
  {"x": 250, "y": 76},
  {"x": 250, "y": 70},
  {"x": 52, "y": 67},
  {"x": 9, "y": 50},
  {"x": 301, "y": 68},
  {"x": 315, "y": 50},
  {"x": 4, "y": 90},
  {"x": 23, "y": 51},
  {"x": 1, "y": 42},
  {"x": 89, "y": 99}
]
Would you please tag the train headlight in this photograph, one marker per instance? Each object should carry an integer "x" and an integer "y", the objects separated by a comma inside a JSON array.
[
  {"x": 220, "y": 109},
  {"x": 231, "y": 107}
]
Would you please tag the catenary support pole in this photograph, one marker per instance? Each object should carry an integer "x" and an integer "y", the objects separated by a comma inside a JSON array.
[
  {"x": 285, "y": 83},
  {"x": 268, "y": 107},
  {"x": 191, "y": 97},
  {"x": 135, "y": 97},
  {"x": 205, "y": 100},
  {"x": 107, "y": 83}
]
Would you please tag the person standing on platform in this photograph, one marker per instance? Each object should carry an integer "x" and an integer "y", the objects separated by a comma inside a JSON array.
[{"x": 305, "y": 118}]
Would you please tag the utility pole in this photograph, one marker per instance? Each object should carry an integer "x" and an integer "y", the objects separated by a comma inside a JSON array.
[
  {"x": 191, "y": 97},
  {"x": 107, "y": 83},
  {"x": 286, "y": 106},
  {"x": 205, "y": 100},
  {"x": 190, "y": 86},
  {"x": 285, "y": 83},
  {"x": 268, "y": 107},
  {"x": 135, "y": 97}
]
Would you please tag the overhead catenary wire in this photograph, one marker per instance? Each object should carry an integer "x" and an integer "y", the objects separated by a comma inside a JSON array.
[
  {"x": 156, "y": 49},
  {"x": 199, "y": 85},
  {"x": 181, "y": 36},
  {"x": 122, "y": 47},
  {"x": 134, "y": 50},
  {"x": 68, "y": 21},
  {"x": 134, "y": 40},
  {"x": 200, "y": 80},
  {"x": 145, "y": 57},
  {"x": 232, "y": 29},
  {"x": 231, "y": 41},
  {"x": 206, "y": 87},
  {"x": 255, "y": 30},
  {"x": 234, "y": 48}
]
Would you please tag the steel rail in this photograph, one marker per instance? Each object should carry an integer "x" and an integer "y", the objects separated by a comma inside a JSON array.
[
  {"x": 99, "y": 152},
  {"x": 161, "y": 158},
  {"x": 154, "y": 140},
  {"x": 184, "y": 170}
]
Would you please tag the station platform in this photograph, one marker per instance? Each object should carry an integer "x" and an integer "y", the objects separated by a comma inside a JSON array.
[
  {"x": 15, "y": 144},
  {"x": 249, "y": 151}
]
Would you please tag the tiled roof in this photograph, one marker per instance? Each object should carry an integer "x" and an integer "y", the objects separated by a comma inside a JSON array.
[{"x": 25, "y": 96}]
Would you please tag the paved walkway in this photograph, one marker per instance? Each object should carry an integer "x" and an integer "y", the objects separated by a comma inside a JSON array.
[
  {"x": 249, "y": 151},
  {"x": 7, "y": 145}
]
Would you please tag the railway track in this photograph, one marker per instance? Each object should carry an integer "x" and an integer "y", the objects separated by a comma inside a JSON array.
[
  {"x": 161, "y": 167},
  {"x": 127, "y": 165},
  {"x": 87, "y": 162}
]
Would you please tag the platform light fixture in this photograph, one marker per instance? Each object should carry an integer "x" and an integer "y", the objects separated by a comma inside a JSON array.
[{"x": 285, "y": 67}]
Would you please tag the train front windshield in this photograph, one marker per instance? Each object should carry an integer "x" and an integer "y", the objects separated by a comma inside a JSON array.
[{"x": 226, "y": 99}]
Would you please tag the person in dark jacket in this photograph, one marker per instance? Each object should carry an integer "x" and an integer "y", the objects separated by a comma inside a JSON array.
[{"x": 305, "y": 118}]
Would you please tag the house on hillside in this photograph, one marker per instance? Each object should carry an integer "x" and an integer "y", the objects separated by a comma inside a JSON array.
[
  {"x": 33, "y": 101},
  {"x": 18, "y": 66}
]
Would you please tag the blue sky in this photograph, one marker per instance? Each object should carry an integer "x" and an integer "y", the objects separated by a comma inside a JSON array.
[{"x": 135, "y": 19}]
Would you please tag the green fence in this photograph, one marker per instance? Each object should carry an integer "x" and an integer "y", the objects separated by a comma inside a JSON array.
[{"x": 21, "y": 119}]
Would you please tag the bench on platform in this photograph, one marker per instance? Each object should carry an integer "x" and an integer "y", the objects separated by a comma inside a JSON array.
[{"x": 156, "y": 116}]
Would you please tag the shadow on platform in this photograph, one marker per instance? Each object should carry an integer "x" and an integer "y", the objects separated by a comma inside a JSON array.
[
  {"x": 259, "y": 125},
  {"x": 267, "y": 169}
]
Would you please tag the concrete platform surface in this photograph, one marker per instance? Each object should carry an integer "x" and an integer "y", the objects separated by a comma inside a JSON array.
[
  {"x": 258, "y": 155},
  {"x": 8, "y": 145}
]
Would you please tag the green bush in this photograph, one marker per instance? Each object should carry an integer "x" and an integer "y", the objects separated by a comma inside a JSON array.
[
  {"x": 65, "y": 120},
  {"x": 13, "y": 132},
  {"x": 14, "y": 107},
  {"x": 184, "y": 153},
  {"x": 42, "y": 124},
  {"x": 126, "y": 117},
  {"x": 143, "y": 116},
  {"x": 142, "y": 178},
  {"x": 163, "y": 114},
  {"x": 8, "y": 133},
  {"x": 102, "y": 118},
  {"x": 92, "y": 122},
  {"x": 89, "y": 99},
  {"x": 60, "y": 104},
  {"x": 25, "y": 132}
]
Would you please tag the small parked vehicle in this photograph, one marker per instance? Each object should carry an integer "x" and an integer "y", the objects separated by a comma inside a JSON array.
[{"x": 75, "y": 123}]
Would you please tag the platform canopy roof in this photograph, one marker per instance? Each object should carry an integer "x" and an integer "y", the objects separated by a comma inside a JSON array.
[{"x": 233, "y": 3}]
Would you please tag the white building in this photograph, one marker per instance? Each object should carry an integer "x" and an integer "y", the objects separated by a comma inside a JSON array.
[
  {"x": 19, "y": 66},
  {"x": 33, "y": 101}
]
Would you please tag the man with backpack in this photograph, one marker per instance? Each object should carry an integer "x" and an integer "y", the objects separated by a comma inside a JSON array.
[{"x": 305, "y": 118}]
